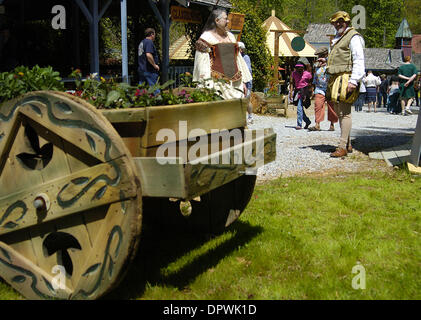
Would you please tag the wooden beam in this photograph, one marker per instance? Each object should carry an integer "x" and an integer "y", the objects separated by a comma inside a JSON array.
[
  {"x": 104, "y": 8},
  {"x": 416, "y": 144},
  {"x": 85, "y": 10},
  {"x": 124, "y": 46},
  {"x": 181, "y": 119},
  {"x": 171, "y": 177},
  {"x": 293, "y": 31},
  {"x": 66, "y": 189}
]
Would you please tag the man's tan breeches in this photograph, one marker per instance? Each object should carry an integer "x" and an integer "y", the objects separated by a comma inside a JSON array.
[{"x": 343, "y": 111}]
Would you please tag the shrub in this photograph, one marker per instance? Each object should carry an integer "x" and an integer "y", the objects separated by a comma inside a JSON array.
[
  {"x": 108, "y": 94},
  {"x": 23, "y": 79}
]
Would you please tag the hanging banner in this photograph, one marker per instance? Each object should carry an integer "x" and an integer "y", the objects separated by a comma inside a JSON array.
[
  {"x": 186, "y": 15},
  {"x": 236, "y": 24},
  {"x": 236, "y": 21}
]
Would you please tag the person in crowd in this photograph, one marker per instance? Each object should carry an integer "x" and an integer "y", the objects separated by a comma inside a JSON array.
[
  {"x": 393, "y": 105},
  {"x": 382, "y": 94},
  {"x": 417, "y": 85},
  {"x": 148, "y": 69},
  {"x": 360, "y": 102},
  {"x": 300, "y": 93},
  {"x": 407, "y": 74},
  {"x": 218, "y": 62},
  {"x": 346, "y": 58},
  {"x": 371, "y": 83},
  {"x": 320, "y": 80},
  {"x": 249, "y": 85}
]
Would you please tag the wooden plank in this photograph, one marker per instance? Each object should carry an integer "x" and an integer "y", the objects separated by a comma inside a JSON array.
[
  {"x": 402, "y": 154},
  {"x": 16, "y": 177},
  {"x": 92, "y": 217},
  {"x": 100, "y": 264},
  {"x": 88, "y": 184},
  {"x": 168, "y": 177},
  {"x": 182, "y": 119},
  {"x": 376, "y": 155},
  {"x": 161, "y": 180},
  {"x": 28, "y": 278},
  {"x": 391, "y": 158},
  {"x": 215, "y": 141},
  {"x": 125, "y": 115},
  {"x": 84, "y": 135},
  {"x": 414, "y": 169},
  {"x": 72, "y": 225},
  {"x": 416, "y": 144}
]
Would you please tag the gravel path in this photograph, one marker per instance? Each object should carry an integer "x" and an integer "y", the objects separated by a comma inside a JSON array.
[{"x": 303, "y": 152}]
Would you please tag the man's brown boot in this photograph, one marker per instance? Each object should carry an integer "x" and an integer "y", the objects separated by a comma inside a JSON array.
[
  {"x": 315, "y": 127},
  {"x": 339, "y": 153},
  {"x": 349, "y": 148}
]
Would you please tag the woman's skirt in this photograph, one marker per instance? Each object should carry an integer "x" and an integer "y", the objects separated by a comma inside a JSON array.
[
  {"x": 371, "y": 95},
  {"x": 407, "y": 92}
]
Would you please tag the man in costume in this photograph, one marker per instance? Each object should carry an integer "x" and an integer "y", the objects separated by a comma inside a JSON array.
[
  {"x": 346, "y": 68},
  {"x": 218, "y": 61}
]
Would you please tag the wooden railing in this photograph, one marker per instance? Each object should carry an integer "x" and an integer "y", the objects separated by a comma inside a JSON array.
[{"x": 175, "y": 71}]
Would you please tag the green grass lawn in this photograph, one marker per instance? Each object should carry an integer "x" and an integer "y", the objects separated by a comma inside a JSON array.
[{"x": 299, "y": 238}]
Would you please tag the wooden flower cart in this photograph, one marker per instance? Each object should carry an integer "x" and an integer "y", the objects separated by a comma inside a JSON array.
[{"x": 76, "y": 183}]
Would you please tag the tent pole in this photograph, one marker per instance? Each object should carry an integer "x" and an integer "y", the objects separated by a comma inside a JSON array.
[
  {"x": 165, "y": 39},
  {"x": 124, "y": 53}
]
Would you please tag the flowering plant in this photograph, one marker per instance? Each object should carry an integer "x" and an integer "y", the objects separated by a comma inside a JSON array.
[
  {"x": 22, "y": 80},
  {"x": 100, "y": 92},
  {"x": 107, "y": 93}
]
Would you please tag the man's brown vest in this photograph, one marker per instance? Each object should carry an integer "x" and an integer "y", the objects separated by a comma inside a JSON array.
[{"x": 340, "y": 57}]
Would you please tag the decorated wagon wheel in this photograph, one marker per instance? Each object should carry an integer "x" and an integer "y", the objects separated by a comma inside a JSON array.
[
  {"x": 70, "y": 198},
  {"x": 209, "y": 213}
]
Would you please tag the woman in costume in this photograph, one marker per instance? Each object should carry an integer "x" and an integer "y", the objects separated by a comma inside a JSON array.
[{"x": 218, "y": 58}]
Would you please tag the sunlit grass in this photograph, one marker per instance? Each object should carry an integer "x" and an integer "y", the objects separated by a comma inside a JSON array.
[{"x": 299, "y": 238}]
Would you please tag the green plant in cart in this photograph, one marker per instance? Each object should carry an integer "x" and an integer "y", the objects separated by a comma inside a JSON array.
[{"x": 22, "y": 80}]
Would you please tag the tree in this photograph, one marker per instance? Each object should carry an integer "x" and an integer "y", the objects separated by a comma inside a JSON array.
[
  {"x": 412, "y": 12},
  {"x": 254, "y": 38},
  {"x": 382, "y": 21}
]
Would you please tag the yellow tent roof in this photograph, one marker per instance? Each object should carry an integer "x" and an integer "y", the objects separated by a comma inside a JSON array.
[
  {"x": 179, "y": 49},
  {"x": 285, "y": 49}
]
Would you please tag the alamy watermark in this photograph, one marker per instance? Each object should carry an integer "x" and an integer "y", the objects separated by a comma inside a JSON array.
[
  {"x": 359, "y": 20},
  {"x": 359, "y": 281},
  {"x": 225, "y": 147},
  {"x": 59, "y": 20}
]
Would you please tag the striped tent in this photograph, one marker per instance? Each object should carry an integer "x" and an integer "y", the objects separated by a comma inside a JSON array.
[
  {"x": 179, "y": 50},
  {"x": 285, "y": 49}
]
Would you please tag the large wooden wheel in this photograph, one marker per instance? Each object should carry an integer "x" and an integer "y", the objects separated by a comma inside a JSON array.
[
  {"x": 70, "y": 198},
  {"x": 211, "y": 213}
]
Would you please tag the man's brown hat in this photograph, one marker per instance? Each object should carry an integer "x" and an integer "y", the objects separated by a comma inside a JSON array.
[{"x": 340, "y": 14}]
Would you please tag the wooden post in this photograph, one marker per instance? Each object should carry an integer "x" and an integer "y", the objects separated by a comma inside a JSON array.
[
  {"x": 93, "y": 17},
  {"x": 164, "y": 21},
  {"x": 416, "y": 144},
  {"x": 165, "y": 39},
  {"x": 124, "y": 50},
  {"x": 276, "y": 52},
  {"x": 94, "y": 37},
  {"x": 276, "y": 57}
]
